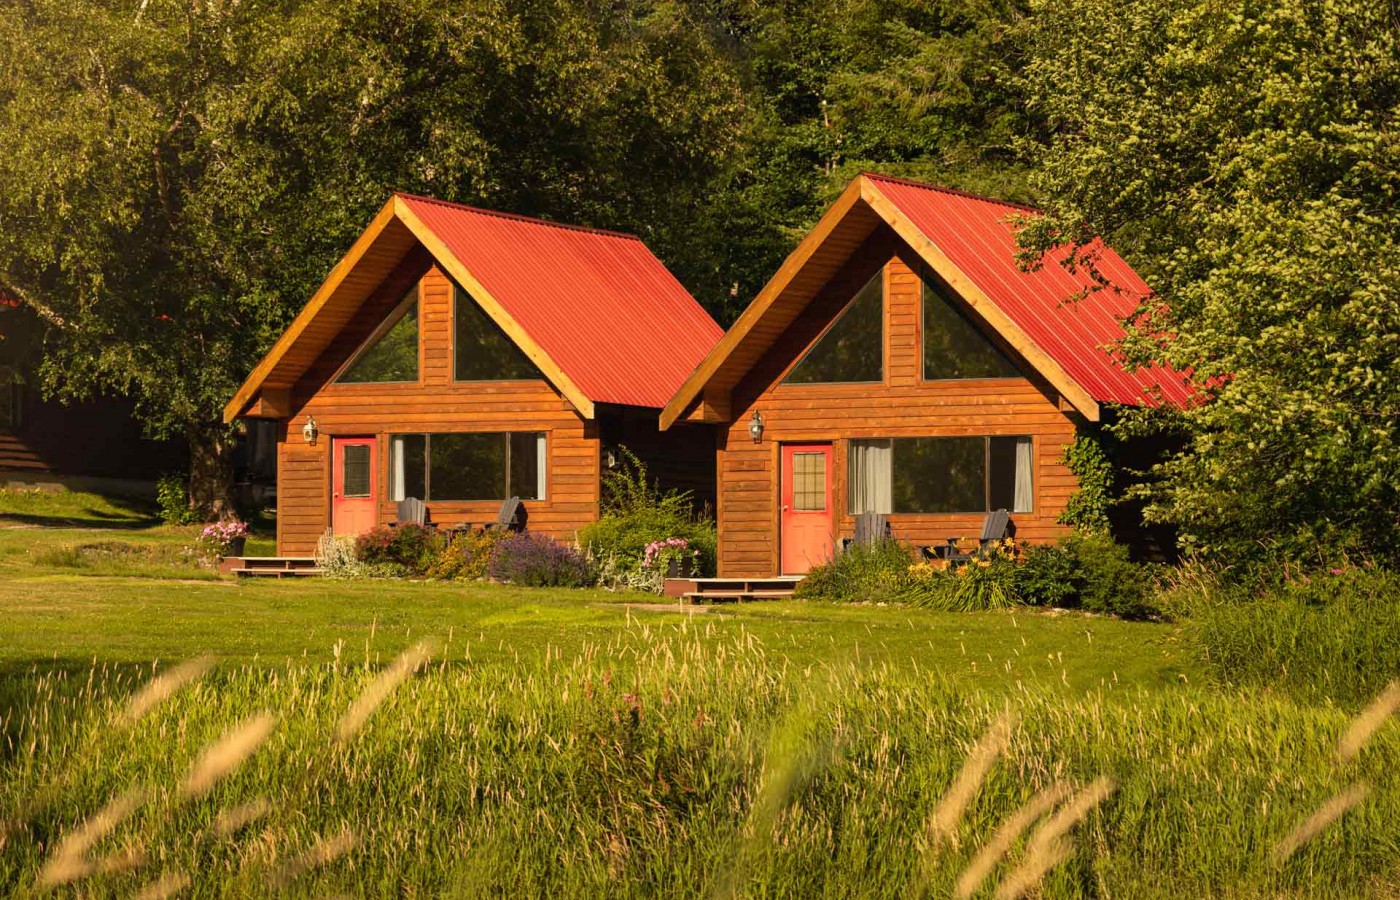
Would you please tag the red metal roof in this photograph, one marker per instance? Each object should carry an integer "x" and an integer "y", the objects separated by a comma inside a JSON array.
[
  {"x": 598, "y": 303},
  {"x": 974, "y": 232}
]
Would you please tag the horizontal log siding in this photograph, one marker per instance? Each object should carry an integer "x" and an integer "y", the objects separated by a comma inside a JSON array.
[
  {"x": 435, "y": 404},
  {"x": 903, "y": 406}
]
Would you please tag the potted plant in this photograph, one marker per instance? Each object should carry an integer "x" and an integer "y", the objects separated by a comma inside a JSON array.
[
  {"x": 672, "y": 555},
  {"x": 219, "y": 540}
]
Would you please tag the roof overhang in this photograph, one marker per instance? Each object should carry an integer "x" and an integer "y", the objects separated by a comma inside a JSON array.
[
  {"x": 859, "y": 210},
  {"x": 395, "y": 231}
]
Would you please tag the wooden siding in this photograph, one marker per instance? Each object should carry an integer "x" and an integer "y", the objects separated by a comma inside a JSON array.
[
  {"x": 904, "y": 405},
  {"x": 433, "y": 404}
]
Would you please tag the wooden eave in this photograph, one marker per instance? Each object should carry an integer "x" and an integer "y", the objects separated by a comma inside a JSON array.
[
  {"x": 390, "y": 237},
  {"x": 851, "y": 219}
]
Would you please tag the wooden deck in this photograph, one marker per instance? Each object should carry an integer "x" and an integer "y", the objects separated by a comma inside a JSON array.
[{"x": 710, "y": 590}]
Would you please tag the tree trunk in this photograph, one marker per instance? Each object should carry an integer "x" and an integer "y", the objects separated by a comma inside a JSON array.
[{"x": 211, "y": 472}]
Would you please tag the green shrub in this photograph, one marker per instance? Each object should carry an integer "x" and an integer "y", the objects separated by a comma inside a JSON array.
[
  {"x": 414, "y": 547},
  {"x": 1331, "y": 636},
  {"x": 970, "y": 586},
  {"x": 173, "y": 499},
  {"x": 1048, "y": 576},
  {"x": 637, "y": 513},
  {"x": 467, "y": 556},
  {"x": 872, "y": 572}
]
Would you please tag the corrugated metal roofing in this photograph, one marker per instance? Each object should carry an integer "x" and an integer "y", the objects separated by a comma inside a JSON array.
[
  {"x": 598, "y": 303},
  {"x": 975, "y": 234}
]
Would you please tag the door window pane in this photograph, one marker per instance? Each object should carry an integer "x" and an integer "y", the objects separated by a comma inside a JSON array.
[
  {"x": 483, "y": 351},
  {"x": 391, "y": 354},
  {"x": 853, "y": 348},
  {"x": 954, "y": 346},
  {"x": 354, "y": 470},
  {"x": 809, "y": 481}
]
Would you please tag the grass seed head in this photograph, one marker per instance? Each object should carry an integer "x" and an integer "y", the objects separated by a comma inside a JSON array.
[
  {"x": 167, "y": 885},
  {"x": 231, "y": 821},
  {"x": 1035, "y": 867},
  {"x": 1329, "y": 812},
  {"x": 380, "y": 688},
  {"x": 1011, "y": 829},
  {"x": 70, "y": 861},
  {"x": 160, "y": 688},
  {"x": 943, "y": 823},
  {"x": 324, "y": 852},
  {"x": 228, "y": 754},
  {"x": 1369, "y": 721}
]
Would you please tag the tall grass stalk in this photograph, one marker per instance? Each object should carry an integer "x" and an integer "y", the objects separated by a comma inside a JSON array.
[
  {"x": 380, "y": 688},
  {"x": 1329, "y": 812},
  {"x": 943, "y": 824},
  {"x": 1006, "y": 835},
  {"x": 1369, "y": 721}
]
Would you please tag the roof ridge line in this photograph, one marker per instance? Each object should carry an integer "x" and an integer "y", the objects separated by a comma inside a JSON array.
[
  {"x": 518, "y": 217},
  {"x": 957, "y": 192}
]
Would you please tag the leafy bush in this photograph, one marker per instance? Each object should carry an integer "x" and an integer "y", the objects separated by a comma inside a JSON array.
[
  {"x": 414, "y": 547},
  {"x": 1332, "y": 636},
  {"x": 173, "y": 499},
  {"x": 1088, "y": 571},
  {"x": 467, "y": 556},
  {"x": 979, "y": 584},
  {"x": 536, "y": 560},
  {"x": 636, "y": 515},
  {"x": 868, "y": 572},
  {"x": 217, "y": 538}
]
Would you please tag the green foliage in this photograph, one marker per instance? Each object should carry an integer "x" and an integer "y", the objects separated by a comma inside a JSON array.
[
  {"x": 1087, "y": 509},
  {"x": 1087, "y": 571},
  {"x": 173, "y": 500},
  {"x": 873, "y": 572},
  {"x": 988, "y": 582},
  {"x": 717, "y": 765},
  {"x": 531, "y": 559},
  {"x": 1049, "y": 575},
  {"x": 467, "y": 555},
  {"x": 1334, "y": 636},
  {"x": 1242, "y": 157},
  {"x": 413, "y": 548},
  {"x": 636, "y": 513}
]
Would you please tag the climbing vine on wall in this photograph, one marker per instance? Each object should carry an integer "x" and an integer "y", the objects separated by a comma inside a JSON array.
[{"x": 1087, "y": 508}]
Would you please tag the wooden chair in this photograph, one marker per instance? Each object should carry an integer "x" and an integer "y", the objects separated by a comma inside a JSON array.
[
  {"x": 411, "y": 511},
  {"x": 511, "y": 518},
  {"x": 995, "y": 527},
  {"x": 870, "y": 527}
]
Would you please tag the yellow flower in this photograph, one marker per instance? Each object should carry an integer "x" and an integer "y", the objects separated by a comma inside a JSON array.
[{"x": 984, "y": 563}]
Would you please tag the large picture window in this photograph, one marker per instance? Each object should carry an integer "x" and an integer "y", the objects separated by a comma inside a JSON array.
[
  {"x": 939, "y": 475},
  {"x": 955, "y": 346},
  {"x": 481, "y": 350},
  {"x": 467, "y": 466},
  {"x": 853, "y": 348},
  {"x": 391, "y": 353}
]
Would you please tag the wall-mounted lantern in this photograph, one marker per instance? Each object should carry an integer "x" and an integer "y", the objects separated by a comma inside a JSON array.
[
  {"x": 756, "y": 427},
  {"x": 309, "y": 431}
]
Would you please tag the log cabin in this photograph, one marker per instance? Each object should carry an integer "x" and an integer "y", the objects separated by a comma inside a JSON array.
[
  {"x": 461, "y": 356},
  {"x": 900, "y": 362}
]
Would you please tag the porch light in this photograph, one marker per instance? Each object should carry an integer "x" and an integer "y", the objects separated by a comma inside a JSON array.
[
  {"x": 756, "y": 427},
  {"x": 309, "y": 430}
]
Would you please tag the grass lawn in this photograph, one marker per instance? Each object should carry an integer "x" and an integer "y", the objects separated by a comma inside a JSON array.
[{"x": 585, "y": 743}]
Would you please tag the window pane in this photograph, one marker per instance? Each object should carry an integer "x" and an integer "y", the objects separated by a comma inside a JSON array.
[
  {"x": 868, "y": 477},
  {"x": 954, "y": 346},
  {"x": 354, "y": 471},
  {"x": 467, "y": 466},
  {"x": 853, "y": 349},
  {"x": 527, "y": 465},
  {"x": 483, "y": 351},
  {"x": 809, "y": 481},
  {"x": 1009, "y": 483},
  {"x": 408, "y": 467},
  {"x": 394, "y": 354},
  {"x": 940, "y": 475}
]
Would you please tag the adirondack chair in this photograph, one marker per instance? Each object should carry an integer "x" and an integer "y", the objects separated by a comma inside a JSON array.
[
  {"x": 411, "y": 511},
  {"x": 511, "y": 517},
  {"x": 870, "y": 527},
  {"x": 995, "y": 527}
]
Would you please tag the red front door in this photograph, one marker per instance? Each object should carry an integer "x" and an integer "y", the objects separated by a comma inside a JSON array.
[
  {"x": 353, "y": 497},
  {"x": 807, "y": 537}
]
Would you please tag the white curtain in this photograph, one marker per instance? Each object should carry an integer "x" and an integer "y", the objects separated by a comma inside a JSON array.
[
  {"x": 1022, "y": 500},
  {"x": 870, "y": 473},
  {"x": 396, "y": 490},
  {"x": 539, "y": 467}
]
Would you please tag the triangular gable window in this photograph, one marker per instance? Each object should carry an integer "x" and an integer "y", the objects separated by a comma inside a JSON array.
[
  {"x": 483, "y": 351},
  {"x": 954, "y": 346},
  {"x": 391, "y": 353},
  {"x": 853, "y": 348}
]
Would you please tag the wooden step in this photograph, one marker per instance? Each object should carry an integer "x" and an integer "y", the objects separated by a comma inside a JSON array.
[
  {"x": 703, "y": 596},
  {"x": 274, "y": 573},
  {"x": 269, "y": 566}
]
